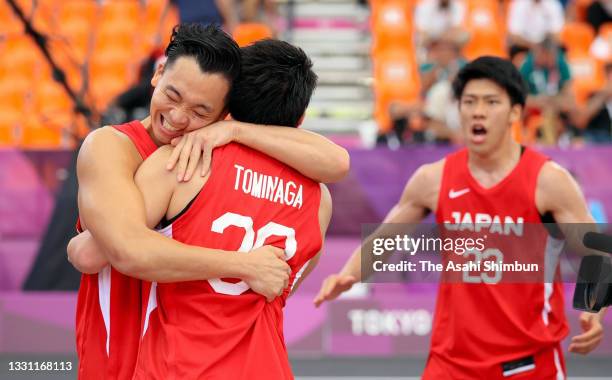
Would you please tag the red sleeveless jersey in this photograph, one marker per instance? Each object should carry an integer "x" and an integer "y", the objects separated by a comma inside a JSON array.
[
  {"x": 482, "y": 319},
  {"x": 109, "y": 315},
  {"x": 220, "y": 329}
]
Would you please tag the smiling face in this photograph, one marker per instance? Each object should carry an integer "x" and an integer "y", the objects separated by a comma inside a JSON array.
[
  {"x": 185, "y": 99},
  {"x": 486, "y": 115}
]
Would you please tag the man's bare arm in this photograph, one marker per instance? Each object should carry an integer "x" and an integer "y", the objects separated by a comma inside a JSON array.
[
  {"x": 309, "y": 153},
  {"x": 419, "y": 196},
  {"x": 325, "y": 213},
  {"x": 557, "y": 192},
  {"x": 85, "y": 254},
  {"x": 111, "y": 207}
]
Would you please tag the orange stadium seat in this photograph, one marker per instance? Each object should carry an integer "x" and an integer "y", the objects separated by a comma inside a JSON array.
[
  {"x": 17, "y": 84},
  {"x": 6, "y": 135},
  {"x": 83, "y": 10},
  {"x": 151, "y": 23},
  {"x": 105, "y": 88},
  {"x": 485, "y": 26},
  {"x": 44, "y": 16},
  {"x": 51, "y": 100},
  {"x": 9, "y": 23},
  {"x": 390, "y": 11},
  {"x": 117, "y": 35},
  {"x": 577, "y": 37},
  {"x": 484, "y": 14},
  {"x": 169, "y": 22},
  {"x": 397, "y": 70},
  {"x": 155, "y": 8},
  {"x": 247, "y": 33},
  {"x": 66, "y": 60},
  {"x": 13, "y": 105},
  {"x": 36, "y": 134},
  {"x": 24, "y": 56},
  {"x": 391, "y": 24},
  {"x": 112, "y": 62},
  {"x": 485, "y": 42},
  {"x": 587, "y": 76},
  {"x": 13, "y": 97},
  {"x": 76, "y": 34},
  {"x": 129, "y": 10},
  {"x": 395, "y": 79}
]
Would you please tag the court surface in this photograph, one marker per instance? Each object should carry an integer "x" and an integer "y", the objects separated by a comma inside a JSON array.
[{"x": 589, "y": 368}]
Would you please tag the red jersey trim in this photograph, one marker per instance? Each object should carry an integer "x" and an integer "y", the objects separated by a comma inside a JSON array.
[{"x": 140, "y": 137}]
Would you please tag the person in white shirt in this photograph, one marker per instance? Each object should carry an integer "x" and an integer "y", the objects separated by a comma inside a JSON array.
[
  {"x": 435, "y": 19},
  {"x": 530, "y": 21}
]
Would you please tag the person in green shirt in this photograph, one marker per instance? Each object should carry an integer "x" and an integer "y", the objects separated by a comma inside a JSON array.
[
  {"x": 546, "y": 70},
  {"x": 547, "y": 74}
]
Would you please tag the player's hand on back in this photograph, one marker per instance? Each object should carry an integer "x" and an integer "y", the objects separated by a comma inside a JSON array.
[
  {"x": 268, "y": 272},
  {"x": 191, "y": 146},
  {"x": 333, "y": 286}
]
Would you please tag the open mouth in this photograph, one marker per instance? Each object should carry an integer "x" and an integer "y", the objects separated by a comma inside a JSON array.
[
  {"x": 479, "y": 130},
  {"x": 165, "y": 126},
  {"x": 479, "y": 133}
]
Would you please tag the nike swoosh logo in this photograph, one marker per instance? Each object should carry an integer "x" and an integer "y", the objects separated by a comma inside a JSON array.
[{"x": 452, "y": 194}]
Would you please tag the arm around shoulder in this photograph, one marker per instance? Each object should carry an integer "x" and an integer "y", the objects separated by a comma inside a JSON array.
[{"x": 311, "y": 154}]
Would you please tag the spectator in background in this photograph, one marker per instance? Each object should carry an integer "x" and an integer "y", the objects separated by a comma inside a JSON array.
[
  {"x": 518, "y": 54},
  {"x": 547, "y": 74},
  {"x": 220, "y": 12},
  {"x": 264, "y": 11},
  {"x": 599, "y": 12},
  {"x": 133, "y": 103},
  {"x": 601, "y": 48},
  {"x": 530, "y": 21},
  {"x": 440, "y": 108},
  {"x": 545, "y": 69},
  {"x": 436, "y": 119},
  {"x": 443, "y": 62},
  {"x": 597, "y": 115},
  {"x": 440, "y": 18}
]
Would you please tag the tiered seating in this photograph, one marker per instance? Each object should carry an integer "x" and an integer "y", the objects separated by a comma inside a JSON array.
[
  {"x": 486, "y": 28},
  {"x": 108, "y": 38},
  {"x": 587, "y": 71},
  {"x": 395, "y": 72},
  {"x": 247, "y": 33},
  {"x": 577, "y": 38}
]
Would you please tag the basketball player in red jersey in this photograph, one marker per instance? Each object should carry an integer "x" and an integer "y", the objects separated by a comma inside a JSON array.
[
  {"x": 499, "y": 331},
  {"x": 191, "y": 91},
  {"x": 221, "y": 329}
]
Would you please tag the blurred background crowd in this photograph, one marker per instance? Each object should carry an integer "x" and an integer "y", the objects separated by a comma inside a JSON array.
[
  {"x": 385, "y": 66},
  {"x": 385, "y": 70},
  {"x": 562, "y": 48}
]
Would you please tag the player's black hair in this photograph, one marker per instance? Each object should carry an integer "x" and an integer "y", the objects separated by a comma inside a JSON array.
[
  {"x": 211, "y": 47},
  {"x": 498, "y": 70},
  {"x": 275, "y": 85}
]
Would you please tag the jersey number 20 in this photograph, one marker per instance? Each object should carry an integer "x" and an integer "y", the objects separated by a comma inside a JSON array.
[{"x": 250, "y": 241}]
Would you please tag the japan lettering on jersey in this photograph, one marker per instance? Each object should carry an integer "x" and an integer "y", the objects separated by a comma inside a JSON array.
[
  {"x": 484, "y": 318},
  {"x": 221, "y": 329},
  {"x": 109, "y": 305}
]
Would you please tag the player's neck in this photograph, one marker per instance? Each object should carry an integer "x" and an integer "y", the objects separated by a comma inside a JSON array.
[
  {"x": 146, "y": 123},
  {"x": 499, "y": 161}
]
